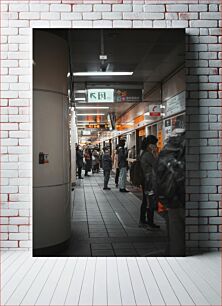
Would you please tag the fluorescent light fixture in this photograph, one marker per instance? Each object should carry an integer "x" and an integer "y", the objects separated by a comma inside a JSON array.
[
  {"x": 90, "y": 122},
  {"x": 90, "y": 114},
  {"x": 68, "y": 74},
  {"x": 92, "y": 107},
  {"x": 80, "y": 99},
  {"x": 80, "y": 91},
  {"x": 100, "y": 73}
]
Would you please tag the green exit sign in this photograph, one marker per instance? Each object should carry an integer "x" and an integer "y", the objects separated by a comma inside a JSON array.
[{"x": 100, "y": 95}]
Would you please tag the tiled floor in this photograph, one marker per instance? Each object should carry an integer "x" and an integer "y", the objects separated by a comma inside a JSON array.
[{"x": 105, "y": 223}]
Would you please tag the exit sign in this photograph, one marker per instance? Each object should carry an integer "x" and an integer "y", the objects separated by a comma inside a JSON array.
[{"x": 100, "y": 95}]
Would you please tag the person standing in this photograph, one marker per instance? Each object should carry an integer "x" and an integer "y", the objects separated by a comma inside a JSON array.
[
  {"x": 107, "y": 167},
  {"x": 88, "y": 161},
  {"x": 79, "y": 161},
  {"x": 123, "y": 165},
  {"x": 148, "y": 158},
  {"x": 95, "y": 160},
  {"x": 171, "y": 189},
  {"x": 116, "y": 167}
]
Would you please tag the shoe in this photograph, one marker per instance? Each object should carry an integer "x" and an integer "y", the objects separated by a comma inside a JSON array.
[
  {"x": 123, "y": 190},
  {"x": 81, "y": 178},
  {"x": 106, "y": 188},
  {"x": 143, "y": 224}
]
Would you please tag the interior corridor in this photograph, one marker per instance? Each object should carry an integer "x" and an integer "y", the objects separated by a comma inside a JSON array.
[{"x": 105, "y": 223}]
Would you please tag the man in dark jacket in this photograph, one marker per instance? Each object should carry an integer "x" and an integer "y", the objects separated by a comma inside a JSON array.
[
  {"x": 107, "y": 167},
  {"x": 173, "y": 154},
  {"x": 123, "y": 165},
  {"x": 79, "y": 161},
  {"x": 148, "y": 159}
]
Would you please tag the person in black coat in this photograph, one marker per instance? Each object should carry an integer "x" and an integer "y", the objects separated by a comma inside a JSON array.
[
  {"x": 79, "y": 161},
  {"x": 107, "y": 167},
  {"x": 148, "y": 158}
]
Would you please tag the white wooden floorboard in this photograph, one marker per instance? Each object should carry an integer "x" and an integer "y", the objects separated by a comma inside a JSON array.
[
  {"x": 213, "y": 279},
  {"x": 182, "y": 295},
  {"x": 86, "y": 295},
  {"x": 10, "y": 262},
  {"x": 211, "y": 260},
  {"x": 126, "y": 288},
  {"x": 36, "y": 287},
  {"x": 17, "y": 278},
  {"x": 152, "y": 287},
  {"x": 50, "y": 286},
  {"x": 21, "y": 290},
  {"x": 61, "y": 290},
  {"x": 165, "y": 287},
  {"x": 75, "y": 286},
  {"x": 187, "y": 281},
  {"x": 110, "y": 281},
  {"x": 208, "y": 292},
  {"x": 140, "y": 292},
  {"x": 100, "y": 284},
  {"x": 12, "y": 270},
  {"x": 141, "y": 295},
  {"x": 113, "y": 285},
  {"x": 5, "y": 255}
]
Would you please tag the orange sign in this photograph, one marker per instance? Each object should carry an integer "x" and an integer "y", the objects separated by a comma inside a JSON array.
[
  {"x": 139, "y": 119},
  {"x": 160, "y": 139}
]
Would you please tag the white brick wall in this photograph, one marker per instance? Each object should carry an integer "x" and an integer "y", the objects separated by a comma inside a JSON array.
[{"x": 200, "y": 18}]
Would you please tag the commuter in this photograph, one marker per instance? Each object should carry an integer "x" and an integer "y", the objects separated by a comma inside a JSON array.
[
  {"x": 148, "y": 157},
  {"x": 131, "y": 155},
  {"x": 107, "y": 167},
  {"x": 100, "y": 159},
  {"x": 88, "y": 161},
  {"x": 116, "y": 167},
  {"x": 132, "y": 152},
  {"x": 95, "y": 161},
  {"x": 123, "y": 165},
  {"x": 170, "y": 189},
  {"x": 79, "y": 161}
]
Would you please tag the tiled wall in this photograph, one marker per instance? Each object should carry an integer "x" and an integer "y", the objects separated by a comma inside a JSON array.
[{"x": 201, "y": 20}]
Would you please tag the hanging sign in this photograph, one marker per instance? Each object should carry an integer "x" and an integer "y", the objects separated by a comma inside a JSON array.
[
  {"x": 154, "y": 110},
  {"x": 100, "y": 95},
  {"x": 128, "y": 95},
  {"x": 176, "y": 104}
]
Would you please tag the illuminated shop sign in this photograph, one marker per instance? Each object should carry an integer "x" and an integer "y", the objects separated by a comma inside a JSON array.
[
  {"x": 154, "y": 110},
  {"x": 86, "y": 133},
  {"x": 101, "y": 95},
  {"x": 97, "y": 126}
]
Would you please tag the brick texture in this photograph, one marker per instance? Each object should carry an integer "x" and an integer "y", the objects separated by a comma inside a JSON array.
[{"x": 201, "y": 20}]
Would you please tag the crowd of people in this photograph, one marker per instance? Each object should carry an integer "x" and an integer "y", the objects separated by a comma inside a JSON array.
[{"x": 153, "y": 193}]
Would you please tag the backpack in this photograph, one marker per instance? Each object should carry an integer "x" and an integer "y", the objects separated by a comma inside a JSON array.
[
  {"x": 169, "y": 174},
  {"x": 136, "y": 173}
]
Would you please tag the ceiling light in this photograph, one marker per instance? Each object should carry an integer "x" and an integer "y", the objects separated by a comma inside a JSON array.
[
  {"x": 90, "y": 122},
  {"x": 68, "y": 74},
  {"x": 90, "y": 114},
  {"x": 100, "y": 73},
  {"x": 80, "y": 99},
  {"x": 80, "y": 91},
  {"x": 92, "y": 107}
]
